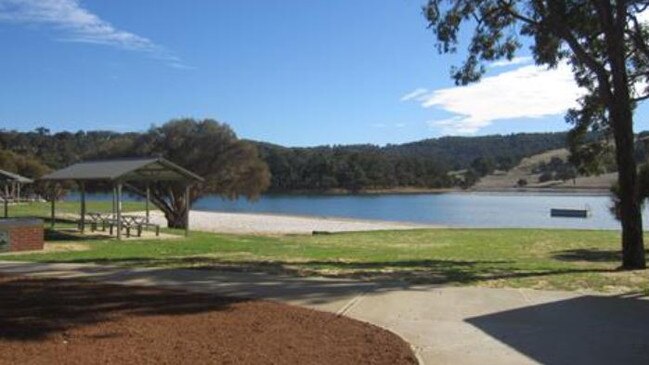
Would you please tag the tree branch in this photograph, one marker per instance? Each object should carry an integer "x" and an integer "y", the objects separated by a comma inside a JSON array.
[{"x": 508, "y": 7}]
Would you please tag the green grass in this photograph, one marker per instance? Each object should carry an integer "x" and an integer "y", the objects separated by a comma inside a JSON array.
[
  {"x": 543, "y": 259},
  {"x": 43, "y": 209}
]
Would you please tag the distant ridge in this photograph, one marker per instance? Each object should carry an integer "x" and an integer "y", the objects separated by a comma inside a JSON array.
[{"x": 428, "y": 164}]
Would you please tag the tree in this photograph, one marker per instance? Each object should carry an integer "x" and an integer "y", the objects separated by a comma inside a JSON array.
[
  {"x": 230, "y": 167},
  {"x": 471, "y": 177},
  {"x": 546, "y": 176},
  {"x": 605, "y": 44},
  {"x": 483, "y": 166}
]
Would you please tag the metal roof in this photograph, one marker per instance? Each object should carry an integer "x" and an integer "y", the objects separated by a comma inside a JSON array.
[
  {"x": 10, "y": 176},
  {"x": 134, "y": 169}
]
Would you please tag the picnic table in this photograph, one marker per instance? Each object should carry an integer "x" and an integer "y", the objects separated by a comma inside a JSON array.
[{"x": 128, "y": 222}]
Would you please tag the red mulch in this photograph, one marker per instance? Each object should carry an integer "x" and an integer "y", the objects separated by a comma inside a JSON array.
[{"x": 47, "y": 321}]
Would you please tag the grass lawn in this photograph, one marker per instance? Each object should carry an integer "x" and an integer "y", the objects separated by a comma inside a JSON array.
[
  {"x": 543, "y": 259},
  {"x": 43, "y": 209}
]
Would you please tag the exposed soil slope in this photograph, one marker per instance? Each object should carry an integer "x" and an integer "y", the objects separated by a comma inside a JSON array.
[{"x": 525, "y": 170}]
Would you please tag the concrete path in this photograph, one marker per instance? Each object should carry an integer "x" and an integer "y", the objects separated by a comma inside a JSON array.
[{"x": 445, "y": 325}]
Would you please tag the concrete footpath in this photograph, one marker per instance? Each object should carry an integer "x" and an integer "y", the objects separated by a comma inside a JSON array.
[{"x": 445, "y": 325}]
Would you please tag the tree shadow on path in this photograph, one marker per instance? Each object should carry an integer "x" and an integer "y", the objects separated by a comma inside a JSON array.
[{"x": 581, "y": 330}]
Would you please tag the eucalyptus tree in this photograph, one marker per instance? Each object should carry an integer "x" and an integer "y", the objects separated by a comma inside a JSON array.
[
  {"x": 231, "y": 167},
  {"x": 605, "y": 43}
]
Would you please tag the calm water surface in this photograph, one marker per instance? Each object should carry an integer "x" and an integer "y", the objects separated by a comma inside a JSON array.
[
  {"x": 451, "y": 209},
  {"x": 525, "y": 210}
]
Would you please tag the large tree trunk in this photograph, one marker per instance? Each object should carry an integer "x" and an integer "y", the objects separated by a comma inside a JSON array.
[
  {"x": 175, "y": 212},
  {"x": 633, "y": 255},
  {"x": 175, "y": 219},
  {"x": 621, "y": 115}
]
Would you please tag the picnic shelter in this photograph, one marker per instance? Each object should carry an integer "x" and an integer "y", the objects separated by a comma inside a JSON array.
[{"x": 118, "y": 173}]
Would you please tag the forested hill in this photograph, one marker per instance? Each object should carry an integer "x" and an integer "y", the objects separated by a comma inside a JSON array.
[
  {"x": 431, "y": 163},
  {"x": 460, "y": 152},
  {"x": 424, "y": 164}
]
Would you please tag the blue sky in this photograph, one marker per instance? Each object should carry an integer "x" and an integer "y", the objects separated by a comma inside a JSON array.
[{"x": 292, "y": 72}]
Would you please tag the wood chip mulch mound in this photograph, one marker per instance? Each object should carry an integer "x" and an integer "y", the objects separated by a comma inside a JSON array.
[{"x": 48, "y": 321}]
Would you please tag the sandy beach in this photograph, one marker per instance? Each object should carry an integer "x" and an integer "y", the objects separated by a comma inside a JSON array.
[{"x": 248, "y": 223}]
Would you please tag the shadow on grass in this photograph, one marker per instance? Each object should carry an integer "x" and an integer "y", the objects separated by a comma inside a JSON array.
[
  {"x": 70, "y": 235},
  {"x": 47, "y": 220},
  {"x": 590, "y": 255},
  {"x": 31, "y": 309},
  {"x": 409, "y": 271}
]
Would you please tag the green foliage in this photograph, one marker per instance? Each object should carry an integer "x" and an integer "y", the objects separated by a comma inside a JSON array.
[
  {"x": 27, "y": 166},
  {"x": 546, "y": 176},
  {"x": 605, "y": 44},
  {"x": 60, "y": 149},
  {"x": 483, "y": 166},
  {"x": 556, "y": 169},
  {"x": 471, "y": 177},
  {"x": 422, "y": 164},
  {"x": 230, "y": 167},
  {"x": 459, "y": 152}
]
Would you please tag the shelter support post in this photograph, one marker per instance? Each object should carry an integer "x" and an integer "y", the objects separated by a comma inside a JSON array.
[
  {"x": 6, "y": 204},
  {"x": 6, "y": 201},
  {"x": 188, "y": 207},
  {"x": 82, "y": 222},
  {"x": 114, "y": 211},
  {"x": 53, "y": 212},
  {"x": 119, "y": 210},
  {"x": 148, "y": 199}
]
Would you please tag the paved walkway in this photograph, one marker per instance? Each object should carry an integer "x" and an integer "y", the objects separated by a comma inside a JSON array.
[{"x": 445, "y": 325}]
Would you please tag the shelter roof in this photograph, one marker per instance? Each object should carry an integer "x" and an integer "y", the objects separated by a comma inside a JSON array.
[
  {"x": 10, "y": 176},
  {"x": 130, "y": 169}
]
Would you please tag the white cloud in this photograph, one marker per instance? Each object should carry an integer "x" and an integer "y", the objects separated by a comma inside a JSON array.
[
  {"x": 526, "y": 92},
  {"x": 413, "y": 95},
  {"x": 79, "y": 25},
  {"x": 513, "y": 62},
  {"x": 388, "y": 125}
]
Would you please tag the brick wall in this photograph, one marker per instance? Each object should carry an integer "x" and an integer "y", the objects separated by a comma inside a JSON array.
[{"x": 26, "y": 238}]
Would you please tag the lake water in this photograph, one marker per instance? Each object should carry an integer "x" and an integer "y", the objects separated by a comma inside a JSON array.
[{"x": 525, "y": 210}]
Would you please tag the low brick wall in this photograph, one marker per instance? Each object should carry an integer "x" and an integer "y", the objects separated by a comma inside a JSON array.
[{"x": 18, "y": 234}]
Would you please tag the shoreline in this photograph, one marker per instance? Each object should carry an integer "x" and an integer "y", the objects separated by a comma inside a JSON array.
[
  {"x": 325, "y": 218},
  {"x": 281, "y": 224},
  {"x": 424, "y": 191},
  {"x": 554, "y": 191}
]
